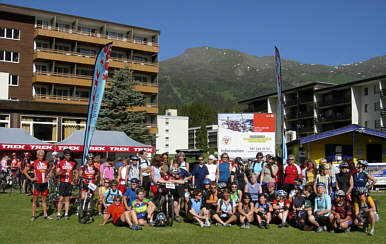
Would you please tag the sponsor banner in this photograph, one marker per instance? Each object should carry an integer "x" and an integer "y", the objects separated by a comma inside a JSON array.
[
  {"x": 75, "y": 148},
  {"x": 378, "y": 171},
  {"x": 27, "y": 147},
  {"x": 244, "y": 135}
]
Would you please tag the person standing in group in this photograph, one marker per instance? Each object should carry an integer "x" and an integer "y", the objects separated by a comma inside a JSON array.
[
  {"x": 145, "y": 180},
  {"x": 344, "y": 180},
  {"x": 41, "y": 171},
  {"x": 257, "y": 165},
  {"x": 66, "y": 169},
  {"x": 324, "y": 176},
  {"x": 88, "y": 173},
  {"x": 291, "y": 172},
  {"x": 155, "y": 173},
  {"x": 362, "y": 177},
  {"x": 253, "y": 188},
  {"x": 182, "y": 160},
  {"x": 106, "y": 171},
  {"x": 199, "y": 172},
  {"x": 122, "y": 176},
  {"x": 238, "y": 176},
  {"x": 212, "y": 168},
  {"x": 224, "y": 169},
  {"x": 134, "y": 171},
  {"x": 165, "y": 164},
  {"x": 309, "y": 173},
  {"x": 268, "y": 174}
]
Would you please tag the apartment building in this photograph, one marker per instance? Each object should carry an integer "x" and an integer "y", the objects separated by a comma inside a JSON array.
[
  {"x": 194, "y": 137},
  {"x": 318, "y": 107},
  {"x": 46, "y": 68},
  {"x": 172, "y": 132}
]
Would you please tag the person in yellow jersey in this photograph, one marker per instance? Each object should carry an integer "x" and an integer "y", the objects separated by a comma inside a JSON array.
[{"x": 365, "y": 211}]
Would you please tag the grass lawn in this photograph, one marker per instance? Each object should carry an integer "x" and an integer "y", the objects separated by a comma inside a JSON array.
[{"x": 15, "y": 227}]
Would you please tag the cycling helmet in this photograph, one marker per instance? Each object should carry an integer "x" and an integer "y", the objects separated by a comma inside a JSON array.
[
  {"x": 321, "y": 184},
  {"x": 343, "y": 165},
  {"x": 175, "y": 171},
  {"x": 206, "y": 181},
  {"x": 324, "y": 166},
  {"x": 339, "y": 193},
  {"x": 362, "y": 190},
  {"x": 55, "y": 153},
  {"x": 134, "y": 157},
  {"x": 282, "y": 193},
  {"x": 222, "y": 185},
  {"x": 13, "y": 154},
  {"x": 90, "y": 155},
  {"x": 67, "y": 151},
  {"x": 160, "y": 219},
  {"x": 363, "y": 162},
  {"x": 239, "y": 160},
  {"x": 134, "y": 180}
]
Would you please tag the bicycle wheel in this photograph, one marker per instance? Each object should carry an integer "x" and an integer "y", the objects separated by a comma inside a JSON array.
[{"x": 170, "y": 210}]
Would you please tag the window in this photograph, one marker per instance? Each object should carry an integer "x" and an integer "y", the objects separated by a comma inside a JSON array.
[
  {"x": 13, "y": 80},
  {"x": 41, "y": 67},
  {"x": 42, "y": 44},
  {"x": 114, "y": 35},
  {"x": 376, "y": 106},
  {"x": 167, "y": 131},
  {"x": 85, "y": 72},
  {"x": 63, "y": 70},
  {"x": 365, "y": 108},
  {"x": 69, "y": 125},
  {"x": 43, "y": 128},
  {"x": 42, "y": 22},
  {"x": 366, "y": 124},
  {"x": 62, "y": 92},
  {"x": 41, "y": 90},
  {"x": 62, "y": 27},
  {"x": 86, "y": 51},
  {"x": 166, "y": 145},
  {"x": 9, "y": 56},
  {"x": 4, "y": 120},
  {"x": 377, "y": 124},
  {"x": 140, "y": 78},
  {"x": 62, "y": 47},
  {"x": 139, "y": 58},
  {"x": 9, "y": 33},
  {"x": 117, "y": 55},
  {"x": 85, "y": 30},
  {"x": 376, "y": 89},
  {"x": 366, "y": 91},
  {"x": 80, "y": 93}
]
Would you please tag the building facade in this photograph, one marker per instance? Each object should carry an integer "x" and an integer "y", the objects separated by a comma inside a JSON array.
[
  {"x": 172, "y": 132},
  {"x": 319, "y": 107},
  {"x": 46, "y": 68},
  {"x": 194, "y": 139}
]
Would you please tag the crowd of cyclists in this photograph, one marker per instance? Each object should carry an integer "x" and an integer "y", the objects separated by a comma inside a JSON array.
[{"x": 224, "y": 192}]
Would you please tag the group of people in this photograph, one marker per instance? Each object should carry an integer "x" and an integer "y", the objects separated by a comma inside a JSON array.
[{"x": 261, "y": 190}]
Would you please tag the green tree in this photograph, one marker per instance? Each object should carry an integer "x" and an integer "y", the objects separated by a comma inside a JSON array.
[
  {"x": 117, "y": 111},
  {"x": 203, "y": 136}
]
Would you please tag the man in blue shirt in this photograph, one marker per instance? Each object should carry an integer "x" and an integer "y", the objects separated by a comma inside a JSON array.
[
  {"x": 322, "y": 208},
  {"x": 197, "y": 210},
  {"x": 199, "y": 172},
  {"x": 131, "y": 193}
]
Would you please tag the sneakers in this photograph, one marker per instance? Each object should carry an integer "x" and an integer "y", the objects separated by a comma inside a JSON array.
[
  {"x": 58, "y": 217},
  {"x": 178, "y": 219},
  {"x": 261, "y": 226},
  {"x": 281, "y": 225},
  {"x": 133, "y": 227},
  {"x": 371, "y": 233},
  {"x": 324, "y": 228},
  {"x": 332, "y": 231},
  {"x": 32, "y": 219},
  {"x": 286, "y": 224},
  {"x": 151, "y": 223},
  {"x": 207, "y": 224},
  {"x": 348, "y": 230},
  {"x": 227, "y": 225},
  {"x": 247, "y": 226},
  {"x": 66, "y": 217},
  {"x": 267, "y": 226},
  {"x": 48, "y": 218},
  {"x": 202, "y": 225},
  {"x": 218, "y": 224},
  {"x": 319, "y": 229},
  {"x": 242, "y": 226}
]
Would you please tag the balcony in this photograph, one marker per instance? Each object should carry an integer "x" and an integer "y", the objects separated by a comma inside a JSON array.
[
  {"x": 306, "y": 114},
  {"x": 89, "y": 59},
  {"x": 60, "y": 99},
  {"x": 150, "y": 108},
  {"x": 305, "y": 99},
  {"x": 340, "y": 101},
  {"x": 95, "y": 38},
  {"x": 338, "y": 117},
  {"x": 83, "y": 80}
]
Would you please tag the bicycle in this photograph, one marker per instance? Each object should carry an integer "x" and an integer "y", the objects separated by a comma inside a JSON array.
[
  {"x": 53, "y": 193},
  {"x": 166, "y": 201},
  {"x": 12, "y": 181},
  {"x": 86, "y": 206},
  {"x": 3, "y": 181}
]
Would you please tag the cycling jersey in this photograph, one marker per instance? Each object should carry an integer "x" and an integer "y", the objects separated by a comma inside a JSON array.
[
  {"x": 343, "y": 211},
  {"x": 224, "y": 172},
  {"x": 116, "y": 211},
  {"x": 281, "y": 204},
  {"x": 140, "y": 208},
  {"x": 360, "y": 179},
  {"x": 67, "y": 168},
  {"x": 326, "y": 179},
  {"x": 89, "y": 173},
  {"x": 40, "y": 169},
  {"x": 14, "y": 163},
  {"x": 264, "y": 206},
  {"x": 360, "y": 205},
  {"x": 110, "y": 194},
  {"x": 322, "y": 203}
]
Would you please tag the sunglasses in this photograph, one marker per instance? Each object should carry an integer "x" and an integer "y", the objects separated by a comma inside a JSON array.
[
  {"x": 225, "y": 157},
  {"x": 106, "y": 182},
  {"x": 291, "y": 159},
  {"x": 114, "y": 185},
  {"x": 199, "y": 195}
]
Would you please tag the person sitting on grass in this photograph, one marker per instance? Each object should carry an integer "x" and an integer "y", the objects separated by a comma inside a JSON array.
[
  {"x": 212, "y": 199},
  {"x": 280, "y": 207},
  {"x": 298, "y": 202},
  {"x": 263, "y": 210},
  {"x": 226, "y": 210},
  {"x": 253, "y": 188},
  {"x": 271, "y": 193},
  {"x": 142, "y": 209},
  {"x": 121, "y": 217},
  {"x": 365, "y": 210},
  {"x": 131, "y": 193},
  {"x": 246, "y": 211},
  {"x": 108, "y": 196},
  {"x": 322, "y": 209},
  {"x": 236, "y": 194},
  {"x": 197, "y": 210},
  {"x": 340, "y": 217}
]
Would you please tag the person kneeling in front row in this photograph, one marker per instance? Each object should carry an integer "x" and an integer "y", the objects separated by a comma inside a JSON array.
[{"x": 121, "y": 217}]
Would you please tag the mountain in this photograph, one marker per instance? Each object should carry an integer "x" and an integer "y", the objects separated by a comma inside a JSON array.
[{"x": 221, "y": 77}]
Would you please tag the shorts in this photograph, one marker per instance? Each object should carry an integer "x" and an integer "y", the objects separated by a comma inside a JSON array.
[
  {"x": 65, "y": 189},
  {"x": 321, "y": 219},
  {"x": 146, "y": 183},
  {"x": 40, "y": 188},
  {"x": 225, "y": 217},
  {"x": 119, "y": 222},
  {"x": 179, "y": 192}
]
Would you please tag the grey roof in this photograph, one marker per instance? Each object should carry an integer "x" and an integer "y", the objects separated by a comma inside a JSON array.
[
  {"x": 102, "y": 138},
  {"x": 17, "y": 136}
]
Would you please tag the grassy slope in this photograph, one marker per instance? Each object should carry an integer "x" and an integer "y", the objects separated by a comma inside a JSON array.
[{"x": 16, "y": 228}]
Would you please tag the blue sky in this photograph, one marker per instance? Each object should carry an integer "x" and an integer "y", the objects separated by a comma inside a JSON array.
[{"x": 317, "y": 32}]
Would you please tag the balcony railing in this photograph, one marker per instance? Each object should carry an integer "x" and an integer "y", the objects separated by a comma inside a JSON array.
[
  {"x": 61, "y": 98},
  {"x": 335, "y": 101},
  {"x": 98, "y": 35},
  {"x": 93, "y": 56},
  {"x": 306, "y": 114}
]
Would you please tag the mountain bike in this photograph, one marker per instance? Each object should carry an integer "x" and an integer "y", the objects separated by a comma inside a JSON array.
[{"x": 86, "y": 206}]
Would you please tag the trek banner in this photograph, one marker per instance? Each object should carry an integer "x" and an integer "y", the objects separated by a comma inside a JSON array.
[
  {"x": 244, "y": 135},
  {"x": 96, "y": 95}
]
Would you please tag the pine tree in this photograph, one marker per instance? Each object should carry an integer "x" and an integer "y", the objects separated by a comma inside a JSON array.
[
  {"x": 117, "y": 112},
  {"x": 203, "y": 136}
]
